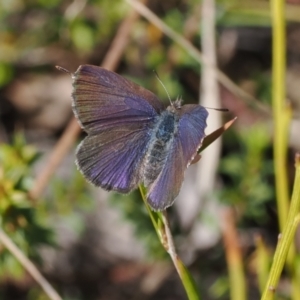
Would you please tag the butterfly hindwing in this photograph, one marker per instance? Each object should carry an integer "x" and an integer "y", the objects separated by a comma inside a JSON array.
[
  {"x": 191, "y": 129},
  {"x": 112, "y": 159},
  {"x": 163, "y": 191}
]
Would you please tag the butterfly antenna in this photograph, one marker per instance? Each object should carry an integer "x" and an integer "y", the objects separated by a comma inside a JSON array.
[
  {"x": 163, "y": 86},
  {"x": 218, "y": 109}
]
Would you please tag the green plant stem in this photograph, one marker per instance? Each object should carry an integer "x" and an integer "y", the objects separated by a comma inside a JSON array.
[
  {"x": 185, "y": 276},
  {"x": 279, "y": 109},
  {"x": 281, "y": 115},
  {"x": 263, "y": 260},
  {"x": 163, "y": 230},
  {"x": 286, "y": 239},
  {"x": 156, "y": 217}
]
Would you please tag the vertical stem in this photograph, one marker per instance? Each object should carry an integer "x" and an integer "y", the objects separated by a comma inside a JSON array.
[
  {"x": 162, "y": 227},
  {"x": 285, "y": 241},
  {"x": 209, "y": 96},
  {"x": 279, "y": 108},
  {"x": 185, "y": 276},
  {"x": 234, "y": 258},
  {"x": 263, "y": 261},
  {"x": 281, "y": 113},
  {"x": 170, "y": 246}
]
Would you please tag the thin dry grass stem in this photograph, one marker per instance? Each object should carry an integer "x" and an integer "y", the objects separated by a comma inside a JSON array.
[
  {"x": 233, "y": 256},
  {"x": 59, "y": 152},
  {"x": 74, "y": 9},
  {"x": 230, "y": 236},
  {"x": 28, "y": 266},
  {"x": 191, "y": 27},
  {"x": 196, "y": 54},
  {"x": 185, "y": 276},
  {"x": 114, "y": 54},
  {"x": 209, "y": 97},
  {"x": 70, "y": 134}
]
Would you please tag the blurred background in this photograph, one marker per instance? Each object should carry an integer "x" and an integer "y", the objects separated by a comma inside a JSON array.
[{"x": 91, "y": 244}]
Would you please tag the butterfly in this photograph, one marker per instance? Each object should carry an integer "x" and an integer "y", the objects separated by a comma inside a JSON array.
[{"x": 132, "y": 138}]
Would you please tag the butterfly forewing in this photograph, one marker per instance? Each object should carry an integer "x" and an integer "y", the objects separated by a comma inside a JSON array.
[
  {"x": 117, "y": 114},
  {"x": 102, "y": 100}
]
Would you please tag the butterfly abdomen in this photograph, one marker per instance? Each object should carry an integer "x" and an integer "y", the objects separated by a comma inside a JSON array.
[{"x": 160, "y": 142}]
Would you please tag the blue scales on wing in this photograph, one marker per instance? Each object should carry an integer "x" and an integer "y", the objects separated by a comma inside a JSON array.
[{"x": 192, "y": 122}]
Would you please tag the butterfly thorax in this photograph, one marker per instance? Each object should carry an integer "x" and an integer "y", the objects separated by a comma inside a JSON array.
[{"x": 160, "y": 141}]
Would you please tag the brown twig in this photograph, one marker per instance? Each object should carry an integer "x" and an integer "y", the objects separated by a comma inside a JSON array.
[
  {"x": 234, "y": 256},
  {"x": 60, "y": 150},
  {"x": 70, "y": 134},
  {"x": 120, "y": 41},
  {"x": 29, "y": 266}
]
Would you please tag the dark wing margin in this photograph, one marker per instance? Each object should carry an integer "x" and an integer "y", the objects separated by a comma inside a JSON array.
[
  {"x": 164, "y": 190},
  {"x": 103, "y": 99}
]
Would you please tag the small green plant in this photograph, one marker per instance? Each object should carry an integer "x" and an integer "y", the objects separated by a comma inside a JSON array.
[
  {"x": 247, "y": 174},
  {"x": 18, "y": 215}
]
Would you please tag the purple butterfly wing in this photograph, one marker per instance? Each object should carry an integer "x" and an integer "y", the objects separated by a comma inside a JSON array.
[
  {"x": 112, "y": 159},
  {"x": 118, "y": 116},
  {"x": 103, "y": 99},
  {"x": 163, "y": 191}
]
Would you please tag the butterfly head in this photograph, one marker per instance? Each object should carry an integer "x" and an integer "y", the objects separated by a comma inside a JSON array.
[{"x": 175, "y": 105}]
